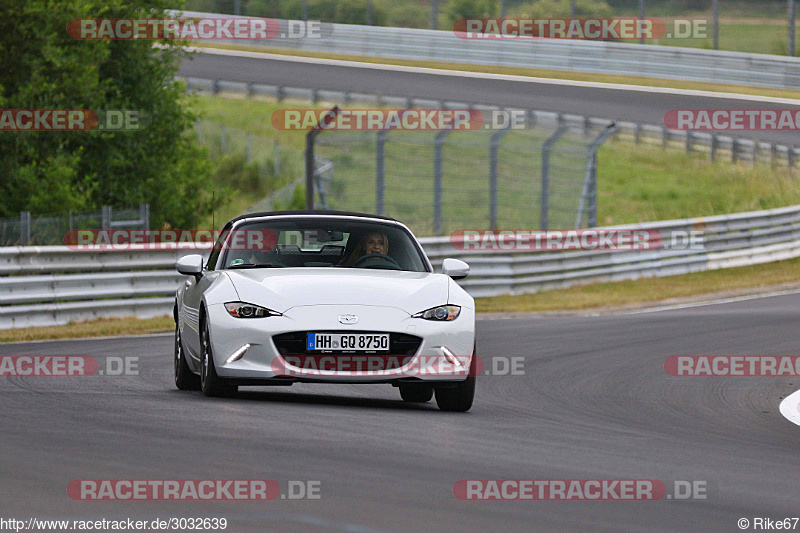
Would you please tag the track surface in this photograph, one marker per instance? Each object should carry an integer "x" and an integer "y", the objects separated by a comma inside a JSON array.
[
  {"x": 594, "y": 402},
  {"x": 615, "y": 104}
]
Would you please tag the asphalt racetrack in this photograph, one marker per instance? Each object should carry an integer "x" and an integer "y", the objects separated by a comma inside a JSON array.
[
  {"x": 617, "y": 104},
  {"x": 594, "y": 403}
]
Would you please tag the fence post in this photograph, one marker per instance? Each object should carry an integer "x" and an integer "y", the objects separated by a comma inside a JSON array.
[
  {"x": 25, "y": 228},
  {"x": 144, "y": 215},
  {"x": 790, "y": 156},
  {"x": 310, "y": 140},
  {"x": 545, "y": 200},
  {"x": 276, "y": 157},
  {"x": 380, "y": 183},
  {"x": 532, "y": 118},
  {"x": 688, "y": 142},
  {"x": 105, "y": 222},
  {"x": 734, "y": 150},
  {"x": 637, "y": 132},
  {"x": 310, "y": 136},
  {"x": 664, "y": 136},
  {"x": 589, "y": 193},
  {"x": 713, "y": 151},
  {"x": 437, "y": 181},
  {"x": 493, "y": 146}
]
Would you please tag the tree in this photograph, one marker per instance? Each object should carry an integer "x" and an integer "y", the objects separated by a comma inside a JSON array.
[{"x": 44, "y": 68}]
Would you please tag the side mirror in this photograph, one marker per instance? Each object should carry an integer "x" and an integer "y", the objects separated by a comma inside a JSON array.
[
  {"x": 455, "y": 268},
  {"x": 190, "y": 265}
]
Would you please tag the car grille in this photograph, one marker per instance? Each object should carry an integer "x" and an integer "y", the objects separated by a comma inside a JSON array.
[{"x": 294, "y": 343}]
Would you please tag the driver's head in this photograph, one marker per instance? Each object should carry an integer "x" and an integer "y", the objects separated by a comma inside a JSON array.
[{"x": 376, "y": 243}]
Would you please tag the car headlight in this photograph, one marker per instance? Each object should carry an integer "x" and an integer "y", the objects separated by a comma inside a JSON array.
[
  {"x": 442, "y": 313},
  {"x": 245, "y": 310}
]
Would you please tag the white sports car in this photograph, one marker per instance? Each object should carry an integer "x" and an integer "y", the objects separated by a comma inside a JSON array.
[{"x": 328, "y": 297}]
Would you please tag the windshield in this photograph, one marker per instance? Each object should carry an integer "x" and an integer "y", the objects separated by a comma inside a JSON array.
[{"x": 320, "y": 242}]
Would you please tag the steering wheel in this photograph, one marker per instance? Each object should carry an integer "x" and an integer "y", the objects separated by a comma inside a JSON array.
[{"x": 368, "y": 257}]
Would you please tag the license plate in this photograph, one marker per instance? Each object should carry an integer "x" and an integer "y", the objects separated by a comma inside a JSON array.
[{"x": 362, "y": 342}]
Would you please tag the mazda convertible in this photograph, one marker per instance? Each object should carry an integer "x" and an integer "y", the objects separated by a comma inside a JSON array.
[{"x": 324, "y": 297}]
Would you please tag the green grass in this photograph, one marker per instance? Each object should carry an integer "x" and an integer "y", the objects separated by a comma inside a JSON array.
[
  {"x": 241, "y": 117},
  {"x": 650, "y": 183},
  {"x": 755, "y": 37}
]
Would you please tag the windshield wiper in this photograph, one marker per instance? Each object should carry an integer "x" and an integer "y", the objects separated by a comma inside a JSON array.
[{"x": 255, "y": 265}]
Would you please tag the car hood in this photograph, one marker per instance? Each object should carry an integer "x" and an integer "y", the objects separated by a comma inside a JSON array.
[{"x": 281, "y": 289}]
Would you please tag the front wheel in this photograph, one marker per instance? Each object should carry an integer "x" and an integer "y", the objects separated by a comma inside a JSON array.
[
  {"x": 185, "y": 379},
  {"x": 210, "y": 383},
  {"x": 459, "y": 398}
]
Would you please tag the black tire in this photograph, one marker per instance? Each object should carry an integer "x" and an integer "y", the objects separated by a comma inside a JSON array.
[
  {"x": 459, "y": 398},
  {"x": 185, "y": 379},
  {"x": 210, "y": 383},
  {"x": 416, "y": 394}
]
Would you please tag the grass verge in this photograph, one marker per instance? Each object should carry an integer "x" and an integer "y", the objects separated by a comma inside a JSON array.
[
  {"x": 107, "y": 327},
  {"x": 646, "y": 292}
]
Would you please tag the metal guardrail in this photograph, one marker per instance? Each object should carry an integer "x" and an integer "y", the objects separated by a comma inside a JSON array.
[
  {"x": 712, "y": 144},
  {"x": 694, "y": 64},
  {"x": 55, "y": 285}
]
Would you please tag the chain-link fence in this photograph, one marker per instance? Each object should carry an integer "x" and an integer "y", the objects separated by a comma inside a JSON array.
[
  {"x": 439, "y": 182},
  {"x": 46, "y": 230}
]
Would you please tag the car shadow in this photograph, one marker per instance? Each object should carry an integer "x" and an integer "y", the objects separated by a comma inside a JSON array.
[{"x": 333, "y": 400}]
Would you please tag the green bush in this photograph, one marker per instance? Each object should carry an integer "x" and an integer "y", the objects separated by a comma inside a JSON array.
[
  {"x": 263, "y": 8},
  {"x": 472, "y": 9},
  {"x": 561, "y": 9},
  {"x": 233, "y": 170},
  {"x": 406, "y": 15}
]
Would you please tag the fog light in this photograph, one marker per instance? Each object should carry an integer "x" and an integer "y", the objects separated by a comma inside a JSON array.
[
  {"x": 238, "y": 354},
  {"x": 450, "y": 356}
]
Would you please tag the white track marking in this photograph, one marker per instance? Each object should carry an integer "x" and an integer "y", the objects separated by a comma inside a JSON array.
[
  {"x": 489, "y": 76},
  {"x": 790, "y": 408}
]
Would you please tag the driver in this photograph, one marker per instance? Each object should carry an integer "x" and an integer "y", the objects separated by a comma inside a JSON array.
[{"x": 372, "y": 243}]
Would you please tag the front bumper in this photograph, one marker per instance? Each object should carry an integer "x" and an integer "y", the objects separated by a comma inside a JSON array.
[{"x": 262, "y": 362}]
